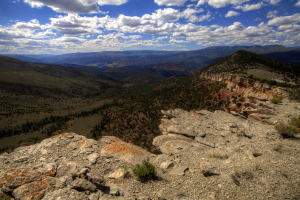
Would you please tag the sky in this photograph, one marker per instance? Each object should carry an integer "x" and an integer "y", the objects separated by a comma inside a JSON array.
[{"x": 69, "y": 26}]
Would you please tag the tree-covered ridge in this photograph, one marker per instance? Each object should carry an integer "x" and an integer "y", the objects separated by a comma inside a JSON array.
[{"x": 242, "y": 60}]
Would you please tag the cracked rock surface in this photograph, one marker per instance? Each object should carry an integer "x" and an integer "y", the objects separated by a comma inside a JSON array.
[{"x": 205, "y": 155}]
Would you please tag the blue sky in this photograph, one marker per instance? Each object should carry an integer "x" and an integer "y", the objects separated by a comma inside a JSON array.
[{"x": 68, "y": 26}]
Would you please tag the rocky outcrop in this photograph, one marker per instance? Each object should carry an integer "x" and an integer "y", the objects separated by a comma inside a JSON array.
[
  {"x": 205, "y": 155},
  {"x": 65, "y": 166},
  {"x": 247, "y": 87},
  {"x": 125, "y": 151}
]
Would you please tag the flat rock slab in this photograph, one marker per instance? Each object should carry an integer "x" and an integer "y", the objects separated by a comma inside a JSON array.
[
  {"x": 159, "y": 140},
  {"x": 126, "y": 152},
  {"x": 174, "y": 146},
  {"x": 180, "y": 171}
]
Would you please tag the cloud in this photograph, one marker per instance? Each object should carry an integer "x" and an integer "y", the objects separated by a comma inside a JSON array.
[
  {"x": 74, "y": 6},
  {"x": 298, "y": 3},
  {"x": 129, "y": 21},
  {"x": 10, "y": 34},
  {"x": 272, "y": 14},
  {"x": 234, "y": 34},
  {"x": 232, "y": 13},
  {"x": 249, "y": 7},
  {"x": 286, "y": 20},
  {"x": 111, "y": 2},
  {"x": 190, "y": 15},
  {"x": 69, "y": 39},
  {"x": 44, "y": 34},
  {"x": 273, "y": 2},
  {"x": 261, "y": 30},
  {"x": 74, "y": 24},
  {"x": 202, "y": 18},
  {"x": 170, "y": 2},
  {"x": 289, "y": 28},
  {"x": 221, "y": 3},
  {"x": 257, "y": 19},
  {"x": 189, "y": 12},
  {"x": 161, "y": 16},
  {"x": 236, "y": 26},
  {"x": 32, "y": 24}
]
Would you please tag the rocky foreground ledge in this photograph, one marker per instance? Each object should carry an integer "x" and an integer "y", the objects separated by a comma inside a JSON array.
[{"x": 205, "y": 155}]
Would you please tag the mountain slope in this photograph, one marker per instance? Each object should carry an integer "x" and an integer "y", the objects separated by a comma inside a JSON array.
[
  {"x": 245, "y": 63},
  {"x": 50, "y": 79},
  {"x": 287, "y": 56}
]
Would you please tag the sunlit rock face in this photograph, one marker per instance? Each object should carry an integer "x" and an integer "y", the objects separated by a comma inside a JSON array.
[{"x": 247, "y": 87}]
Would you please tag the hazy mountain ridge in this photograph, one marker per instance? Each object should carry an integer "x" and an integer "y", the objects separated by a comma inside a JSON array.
[
  {"x": 288, "y": 56},
  {"x": 190, "y": 60}
]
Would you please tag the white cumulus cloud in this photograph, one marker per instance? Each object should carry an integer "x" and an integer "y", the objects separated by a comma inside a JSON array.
[
  {"x": 74, "y": 6},
  {"x": 221, "y": 3},
  {"x": 236, "y": 26},
  {"x": 298, "y": 3},
  {"x": 285, "y": 20},
  {"x": 110, "y": 2},
  {"x": 129, "y": 21},
  {"x": 273, "y": 2},
  {"x": 170, "y": 2},
  {"x": 249, "y": 7},
  {"x": 74, "y": 24},
  {"x": 232, "y": 13},
  {"x": 32, "y": 24}
]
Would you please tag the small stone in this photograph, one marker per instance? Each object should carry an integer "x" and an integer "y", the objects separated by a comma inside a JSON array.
[
  {"x": 81, "y": 184},
  {"x": 66, "y": 169},
  {"x": 209, "y": 169},
  {"x": 93, "y": 158},
  {"x": 21, "y": 159},
  {"x": 83, "y": 172},
  {"x": 234, "y": 113},
  {"x": 116, "y": 190},
  {"x": 119, "y": 173},
  {"x": 166, "y": 165}
]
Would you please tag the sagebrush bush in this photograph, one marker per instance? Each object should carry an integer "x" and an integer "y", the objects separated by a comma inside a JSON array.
[
  {"x": 289, "y": 130},
  {"x": 277, "y": 100},
  {"x": 145, "y": 171},
  {"x": 295, "y": 93}
]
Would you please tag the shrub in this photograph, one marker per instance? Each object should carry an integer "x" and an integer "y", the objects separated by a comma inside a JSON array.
[
  {"x": 145, "y": 171},
  {"x": 277, "y": 100},
  {"x": 295, "y": 93},
  {"x": 289, "y": 130}
]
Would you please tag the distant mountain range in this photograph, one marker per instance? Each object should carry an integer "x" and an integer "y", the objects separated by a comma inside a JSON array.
[{"x": 173, "y": 60}]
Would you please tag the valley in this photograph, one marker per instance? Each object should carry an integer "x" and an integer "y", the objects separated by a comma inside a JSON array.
[{"x": 40, "y": 100}]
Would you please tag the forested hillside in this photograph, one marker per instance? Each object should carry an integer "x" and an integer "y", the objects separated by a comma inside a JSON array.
[{"x": 135, "y": 118}]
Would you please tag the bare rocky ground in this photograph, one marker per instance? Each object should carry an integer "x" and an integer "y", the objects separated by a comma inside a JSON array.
[{"x": 205, "y": 155}]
